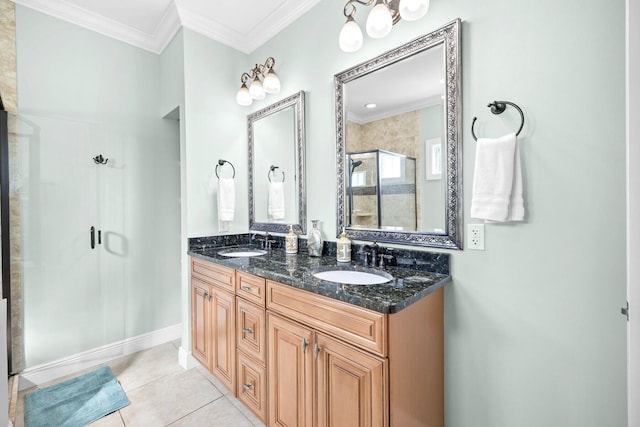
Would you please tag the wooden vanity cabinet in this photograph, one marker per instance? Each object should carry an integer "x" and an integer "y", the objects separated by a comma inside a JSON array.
[
  {"x": 376, "y": 370},
  {"x": 251, "y": 343},
  {"x": 318, "y": 380},
  {"x": 296, "y": 358},
  {"x": 213, "y": 320}
]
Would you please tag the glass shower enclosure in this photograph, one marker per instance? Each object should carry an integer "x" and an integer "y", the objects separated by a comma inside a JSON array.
[{"x": 381, "y": 191}]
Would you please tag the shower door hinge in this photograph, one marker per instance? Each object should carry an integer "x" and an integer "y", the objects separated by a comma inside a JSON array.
[{"x": 625, "y": 311}]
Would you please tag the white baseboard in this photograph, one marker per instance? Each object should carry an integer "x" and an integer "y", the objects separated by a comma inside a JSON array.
[
  {"x": 186, "y": 359},
  {"x": 50, "y": 371}
]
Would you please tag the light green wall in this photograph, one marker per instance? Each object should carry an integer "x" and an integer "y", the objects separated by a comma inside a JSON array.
[
  {"x": 73, "y": 78},
  {"x": 215, "y": 129},
  {"x": 534, "y": 335}
]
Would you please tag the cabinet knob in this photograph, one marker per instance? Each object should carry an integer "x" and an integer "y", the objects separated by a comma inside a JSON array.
[
  {"x": 305, "y": 344},
  {"x": 316, "y": 350},
  {"x": 247, "y": 386},
  {"x": 247, "y": 330},
  {"x": 246, "y": 288}
]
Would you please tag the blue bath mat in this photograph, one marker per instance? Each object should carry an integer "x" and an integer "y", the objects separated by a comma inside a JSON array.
[{"x": 75, "y": 402}]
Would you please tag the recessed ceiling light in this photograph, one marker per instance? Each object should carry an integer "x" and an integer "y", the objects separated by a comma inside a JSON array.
[{"x": 370, "y": 105}]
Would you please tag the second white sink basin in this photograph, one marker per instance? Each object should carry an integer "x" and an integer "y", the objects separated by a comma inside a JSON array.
[
  {"x": 242, "y": 253},
  {"x": 351, "y": 277}
]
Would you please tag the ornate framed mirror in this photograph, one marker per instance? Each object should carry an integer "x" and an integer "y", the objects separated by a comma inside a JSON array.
[
  {"x": 276, "y": 137},
  {"x": 398, "y": 144}
]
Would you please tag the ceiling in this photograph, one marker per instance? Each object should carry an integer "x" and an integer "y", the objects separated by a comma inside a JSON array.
[
  {"x": 407, "y": 85},
  {"x": 151, "y": 24}
]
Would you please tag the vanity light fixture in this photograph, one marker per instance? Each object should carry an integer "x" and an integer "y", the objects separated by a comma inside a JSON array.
[
  {"x": 382, "y": 17},
  {"x": 258, "y": 82}
]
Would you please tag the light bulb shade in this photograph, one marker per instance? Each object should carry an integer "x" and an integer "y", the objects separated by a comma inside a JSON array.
[
  {"x": 256, "y": 90},
  {"x": 350, "y": 36},
  {"x": 379, "y": 21},
  {"x": 243, "y": 97},
  {"x": 271, "y": 83},
  {"x": 411, "y": 10}
]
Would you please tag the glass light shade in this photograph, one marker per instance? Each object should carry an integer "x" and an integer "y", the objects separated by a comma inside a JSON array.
[
  {"x": 350, "y": 36},
  {"x": 243, "y": 97},
  {"x": 271, "y": 83},
  {"x": 379, "y": 21},
  {"x": 256, "y": 90},
  {"x": 411, "y": 10}
]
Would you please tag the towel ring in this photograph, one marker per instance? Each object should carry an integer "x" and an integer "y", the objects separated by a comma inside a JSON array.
[
  {"x": 498, "y": 107},
  {"x": 272, "y": 169},
  {"x": 221, "y": 163}
]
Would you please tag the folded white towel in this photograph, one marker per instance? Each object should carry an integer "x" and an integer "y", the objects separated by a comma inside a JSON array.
[
  {"x": 276, "y": 200},
  {"x": 497, "y": 180},
  {"x": 226, "y": 199}
]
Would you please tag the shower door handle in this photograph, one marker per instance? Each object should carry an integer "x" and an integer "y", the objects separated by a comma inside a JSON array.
[
  {"x": 93, "y": 237},
  {"x": 99, "y": 237}
]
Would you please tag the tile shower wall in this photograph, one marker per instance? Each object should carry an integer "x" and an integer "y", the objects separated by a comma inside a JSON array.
[{"x": 401, "y": 133}]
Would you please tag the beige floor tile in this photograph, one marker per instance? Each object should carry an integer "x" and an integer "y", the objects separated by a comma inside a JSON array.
[
  {"x": 112, "y": 420},
  {"x": 255, "y": 421},
  {"x": 219, "y": 413},
  {"x": 213, "y": 380},
  {"x": 168, "y": 399},
  {"x": 141, "y": 368}
]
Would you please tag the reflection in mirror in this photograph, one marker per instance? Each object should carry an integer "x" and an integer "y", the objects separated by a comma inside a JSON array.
[
  {"x": 398, "y": 144},
  {"x": 276, "y": 166},
  {"x": 382, "y": 191}
]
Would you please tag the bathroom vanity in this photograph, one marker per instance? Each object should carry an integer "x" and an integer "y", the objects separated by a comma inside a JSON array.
[{"x": 300, "y": 351}]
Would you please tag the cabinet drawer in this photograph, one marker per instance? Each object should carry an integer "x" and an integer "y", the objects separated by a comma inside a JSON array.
[
  {"x": 214, "y": 274},
  {"x": 250, "y": 287},
  {"x": 252, "y": 385},
  {"x": 356, "y": 325},
  {"x": 250, "y": 330}
]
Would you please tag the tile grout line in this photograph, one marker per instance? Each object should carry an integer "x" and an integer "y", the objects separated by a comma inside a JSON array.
[{"x": 196, "y": 410}]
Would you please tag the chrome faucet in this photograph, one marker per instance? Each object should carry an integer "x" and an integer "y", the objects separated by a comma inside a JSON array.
[{"x": 264, "y": 243}]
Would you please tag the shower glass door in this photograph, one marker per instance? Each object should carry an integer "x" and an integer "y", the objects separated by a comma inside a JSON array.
[{"x": 74, "y": 297}]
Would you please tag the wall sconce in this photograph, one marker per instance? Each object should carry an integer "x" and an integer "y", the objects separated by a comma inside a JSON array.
[
  {"x": 381, "y": 19},
  {"x": 258, "y": 88}
]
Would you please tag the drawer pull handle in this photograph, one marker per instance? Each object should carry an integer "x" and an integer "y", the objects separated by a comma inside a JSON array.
[
  {"x": 305, "y": 344},
  {"x": 247, "y": 386},
  {"x": 247, "y": 330},
  {"x": 316, "y": 350},
  {"x": 246, "y": 288}
]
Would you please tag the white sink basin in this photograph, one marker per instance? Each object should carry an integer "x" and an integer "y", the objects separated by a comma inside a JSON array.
[
  {"x": 241, "y": 253},
  {"x": 353, "y": 277}
]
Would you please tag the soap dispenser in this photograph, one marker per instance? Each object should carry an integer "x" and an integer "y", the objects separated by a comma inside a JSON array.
[
  {"x": 291, "y": 241},
  {"x": 343, "y": 248}
]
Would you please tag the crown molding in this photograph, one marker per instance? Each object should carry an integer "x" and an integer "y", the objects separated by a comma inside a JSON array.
[
  {"x": 94, "y": 22},
  {"x": 174, "y": 17}
]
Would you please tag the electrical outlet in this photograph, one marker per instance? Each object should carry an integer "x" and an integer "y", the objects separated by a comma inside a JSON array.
[{"x": 475, "y": 236}]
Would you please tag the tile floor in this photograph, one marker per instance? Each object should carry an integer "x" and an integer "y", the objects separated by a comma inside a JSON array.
[{"x": 162, "y": 393}]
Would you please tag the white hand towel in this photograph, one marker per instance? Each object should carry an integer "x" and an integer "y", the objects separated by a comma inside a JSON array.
[
  {"x": 497, "y": 180},
  {"x": 276, "y": 200},
  {"x": 226, "y": 199}
]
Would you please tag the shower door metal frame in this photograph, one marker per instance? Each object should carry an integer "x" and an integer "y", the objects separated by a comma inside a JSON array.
[{"x": 4, "y": 222}]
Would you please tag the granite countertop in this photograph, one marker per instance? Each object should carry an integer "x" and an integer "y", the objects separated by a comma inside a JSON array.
[{"x": 411, "y": 280}]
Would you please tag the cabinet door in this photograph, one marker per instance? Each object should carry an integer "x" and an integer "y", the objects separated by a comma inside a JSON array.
[
  {"x": 200, "y": 323},
  {"x": 250, "y": 334},
  {"x": 351, "y": 385},
  {"x": 223, "y": 338},
  {"x": 252, "y": 385},
  {"x": 290, "y": 373}
]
